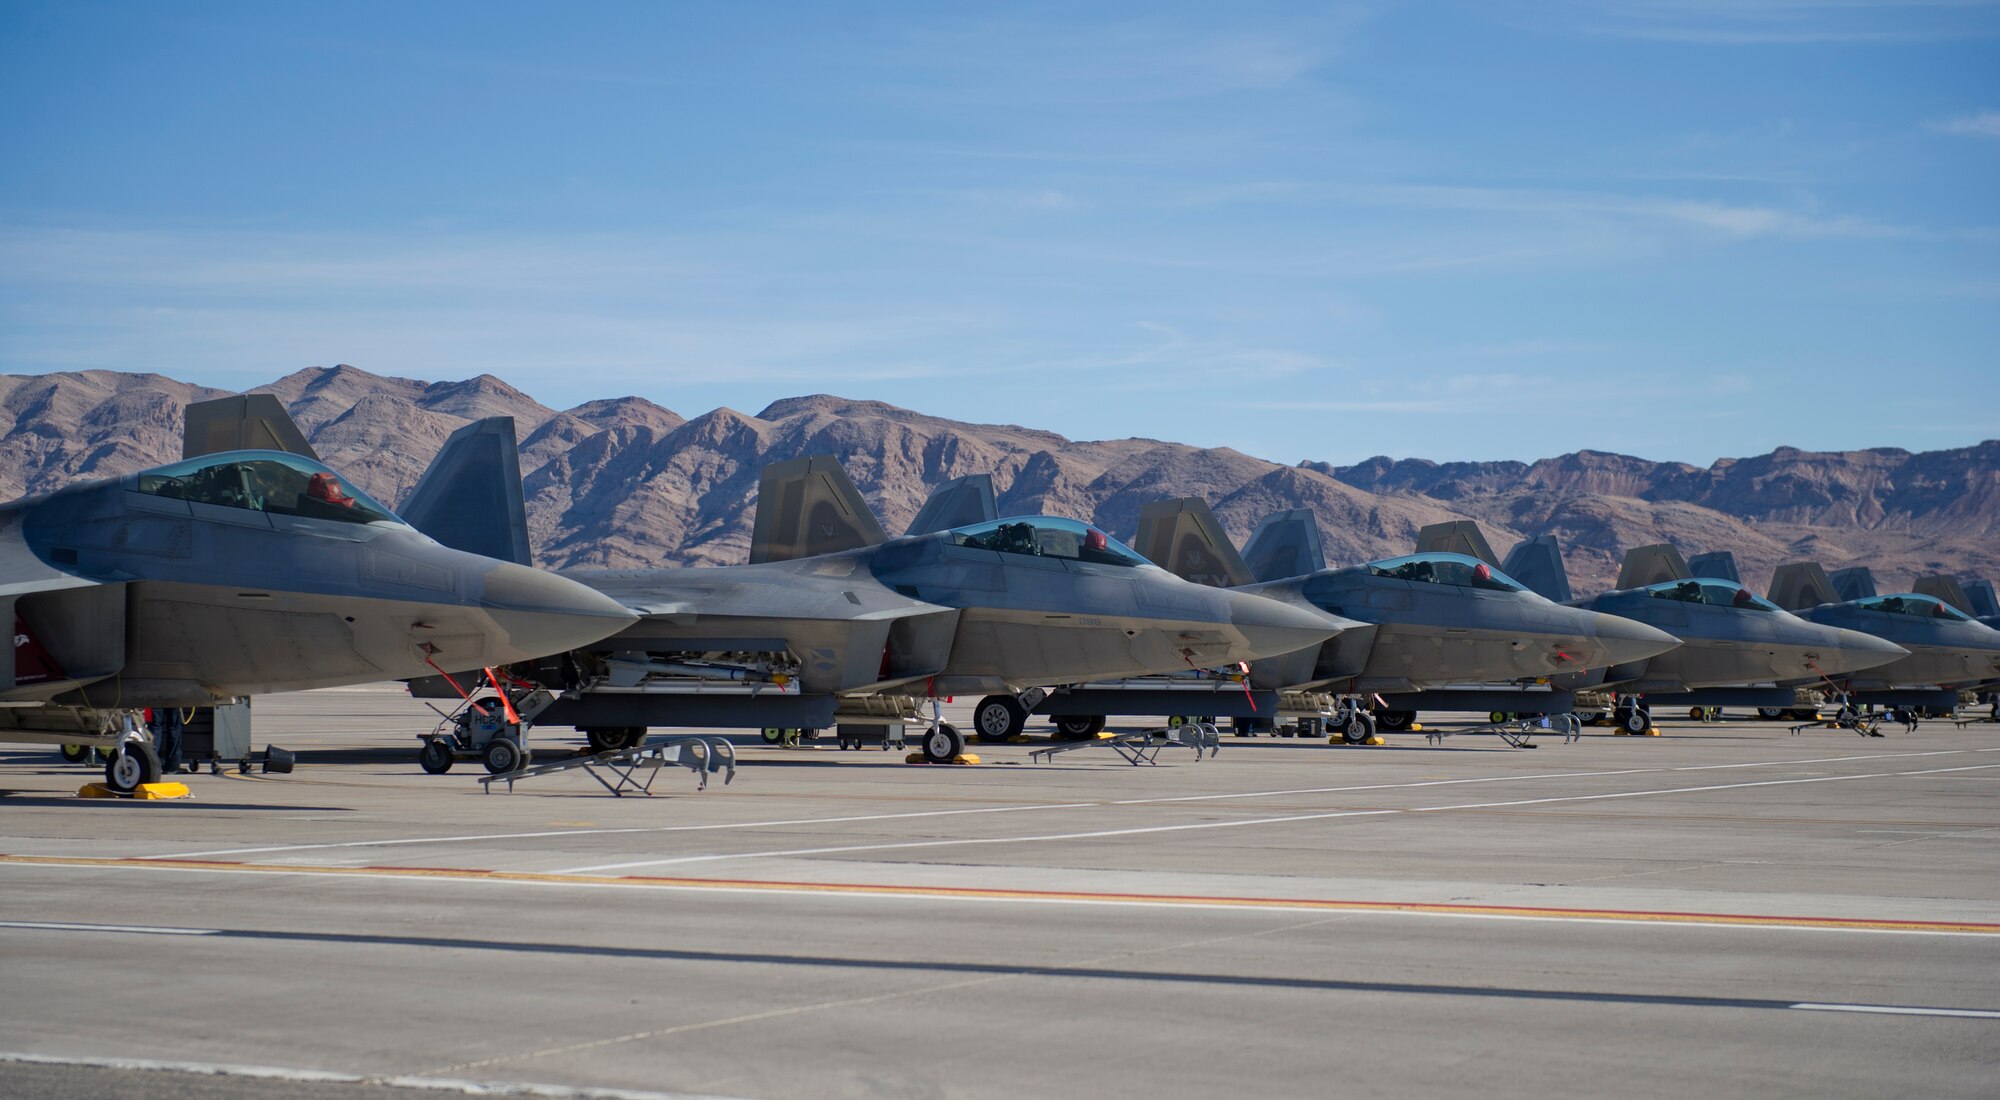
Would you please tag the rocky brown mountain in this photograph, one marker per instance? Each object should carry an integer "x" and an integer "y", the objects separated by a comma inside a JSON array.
[{"x": 627, "y": 482}]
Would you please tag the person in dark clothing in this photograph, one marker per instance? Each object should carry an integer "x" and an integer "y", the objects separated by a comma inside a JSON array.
[{"x": 166, "y": 726}]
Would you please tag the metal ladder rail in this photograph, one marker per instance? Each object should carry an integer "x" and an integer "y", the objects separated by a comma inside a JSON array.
[
  {"x": 701, "y": 755},
  {"x": 1518, "y": 733},
  {"x": 1144, "y": 747}
]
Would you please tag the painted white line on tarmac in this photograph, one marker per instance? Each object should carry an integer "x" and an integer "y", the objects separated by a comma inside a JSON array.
[
  {"x": 1690, "y": 790},
  {"x": 973, "y": 840},
  {"x": 142, "y": 929},
  {"x": 1903, "y": 1010},
  {"x": 318, "y": 1076},
  {"x": 787, "y": 822},
  {"x": 904, "y": 845},
  {"x": 608, "y": 832}
]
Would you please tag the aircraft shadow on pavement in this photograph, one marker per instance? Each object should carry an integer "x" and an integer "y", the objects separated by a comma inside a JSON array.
[{"x": 1088, "y": 973}]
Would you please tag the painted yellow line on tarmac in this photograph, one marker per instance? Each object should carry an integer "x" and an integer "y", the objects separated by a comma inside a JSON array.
[{"x": 965, "y": 893}]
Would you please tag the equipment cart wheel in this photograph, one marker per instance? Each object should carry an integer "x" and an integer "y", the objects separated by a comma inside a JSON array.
[
  {"x": 435, "y": 757},
  {"x": 132, "y": 764},
  {"x": 503, "y": 756},
  {"x": 1078, "y": 727},
  {"x": 998, "y": 717},
  {"x": 76, "y": 754},
  {"x": 1358, "y": 728},
  {"x": 942, "y": 743},
  {"x": 773, "y": 736}
]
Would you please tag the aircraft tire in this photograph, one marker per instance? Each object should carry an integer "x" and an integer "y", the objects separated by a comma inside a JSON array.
[
  {"x": 942, "y": 743},
  {"x": 435, "y": 757},
  {"x": 1636, "y": 720},
  {"x": 502, "y": 756},
  {"x": 614, "y": 738},
  {"x": 998, "y": 717},
  {"x": 1358, "y": 728},
  {"x": 1396, "y": 720},
  {"x": 76, "y": 754},
  {"x": 132, "y": 765},
  {"x": 1079, "y": 727}
]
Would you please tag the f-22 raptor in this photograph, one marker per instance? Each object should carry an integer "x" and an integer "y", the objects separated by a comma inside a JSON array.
[
  {"x": 1428, "y": 619},
  {"x": 248, "y": 568},
  {"x": 833, "y": 621}
]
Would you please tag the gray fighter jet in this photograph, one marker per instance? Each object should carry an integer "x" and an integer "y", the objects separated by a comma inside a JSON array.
[
  {"x": 833, "y": 620},
  {"x": 1433, "y": 618},
  {"x": 239, "y": 573},
  {"x": 1946, "y": 648},
  {"x": 1737, "y": 649}
]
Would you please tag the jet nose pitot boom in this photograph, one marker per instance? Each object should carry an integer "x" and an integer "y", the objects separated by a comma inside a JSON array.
[
  {"x": 1271, "y": 628},
  {"x": 536, "y": 613},
  {"x": 1626, "y": 640}
]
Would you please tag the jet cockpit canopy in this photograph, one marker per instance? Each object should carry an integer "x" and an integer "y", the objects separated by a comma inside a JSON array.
[
  {"x": 265, "y": 481},
  {"x": 1909, "y": 603},
  {"x": 1711, "y": 591},
  {"x": 1462, "y": 570},
  {"x": 1047, "y": 537}
]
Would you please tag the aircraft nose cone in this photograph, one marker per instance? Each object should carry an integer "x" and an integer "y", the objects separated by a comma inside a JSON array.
[
  {"x": 1626, "y": 640},
  {"x": 1271, "y": 627},
  {"x": 1853, "y": 650},
  {"x": 542, "y": 613}
]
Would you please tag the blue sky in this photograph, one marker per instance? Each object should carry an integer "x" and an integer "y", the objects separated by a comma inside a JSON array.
[{"x": 1454, "y": 231}]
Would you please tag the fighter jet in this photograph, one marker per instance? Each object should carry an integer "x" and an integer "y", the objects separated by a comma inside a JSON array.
[
  {"x": 1433, "y": 618},
  {"x": 831, "y": 615},
  {"x": 1736, "y": 648},
  {"x": 238, "y": 573},
  {"x": 1946, "y": 649}
]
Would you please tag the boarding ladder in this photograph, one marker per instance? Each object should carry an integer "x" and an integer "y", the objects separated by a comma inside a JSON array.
[
  {"x": 636, "y": 767},
  {"x": 1144, "y": 746},
  {"x": 1518, "y": 732}
]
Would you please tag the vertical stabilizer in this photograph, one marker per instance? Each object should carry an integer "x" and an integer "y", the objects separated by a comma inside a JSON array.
[
  {"x": 956, "y": 503},
  {"x": 1538, "y": 564},
  {"x": 1979, "y": 592},
  {"x": 1646, "y": 565},
  {"x": 1457, "y": 537},
  {"x": 1184, "y": 538},
  {"x": 470, "y": 497},
  {"x": 807, "y": 507},
  {"x": 1945, "y": 588},
  {"x": 1720, "y": 564},
  {"x": 1285, "y": 544},
  {"x": 246, "y": 422},
  {"x": 1800, "y": 585},
  {"x": 1854, "y": 583}
]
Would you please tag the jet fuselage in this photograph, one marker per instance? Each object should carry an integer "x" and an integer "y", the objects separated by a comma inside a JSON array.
[
  {"x": 1730, "y": 638},
  {"x": 249, "y": 572},
  {"x": 1440, "y": 619},
  {"x": 1946, "y": 648},
  {"x": 963, "y": 610}
]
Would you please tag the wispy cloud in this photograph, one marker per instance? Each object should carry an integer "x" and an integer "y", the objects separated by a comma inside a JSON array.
[{"x": 1983, "y": 124}]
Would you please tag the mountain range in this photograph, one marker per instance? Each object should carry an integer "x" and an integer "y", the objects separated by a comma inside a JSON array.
[{"x": 626, "y": 482}]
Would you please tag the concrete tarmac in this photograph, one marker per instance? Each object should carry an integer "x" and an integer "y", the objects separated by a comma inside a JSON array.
[{"x": 1725, "y": 908}]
